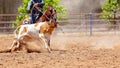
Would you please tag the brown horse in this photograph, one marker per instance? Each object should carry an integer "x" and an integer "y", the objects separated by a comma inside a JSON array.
[{"x": 50, "y": 13}]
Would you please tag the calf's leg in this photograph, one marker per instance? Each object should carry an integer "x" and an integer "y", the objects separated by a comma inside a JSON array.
[
  {"x": 45, "y": 41},
  {"x": 14, "y": 43},
  {"x": 48, "y": 39}
]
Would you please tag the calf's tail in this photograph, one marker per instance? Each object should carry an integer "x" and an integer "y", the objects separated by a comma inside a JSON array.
[{"x": 15, "y": 32}]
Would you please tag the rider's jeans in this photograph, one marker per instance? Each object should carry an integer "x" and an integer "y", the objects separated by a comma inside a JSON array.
[{"x": 33, "y": 16}]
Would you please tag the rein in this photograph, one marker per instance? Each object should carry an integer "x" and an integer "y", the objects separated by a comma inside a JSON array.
[
  {"x": 44, "y": 14},
  {"x": 47, "y": 16},
  {"x": 36, "y": 8}
]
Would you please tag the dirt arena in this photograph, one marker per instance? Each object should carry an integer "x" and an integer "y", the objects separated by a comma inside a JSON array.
[{"x": 68, "y": 52}]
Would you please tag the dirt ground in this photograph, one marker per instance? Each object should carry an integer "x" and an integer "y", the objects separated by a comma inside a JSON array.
[{"x": 68, "y": 52}]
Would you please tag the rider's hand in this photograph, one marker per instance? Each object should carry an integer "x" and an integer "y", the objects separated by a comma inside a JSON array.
[{"x": 36, "y": 4}]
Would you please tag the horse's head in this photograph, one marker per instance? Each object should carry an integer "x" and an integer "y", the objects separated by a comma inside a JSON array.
[
  {"x": 52, "y": 13},
  {"x": 49, "y": 14},
  {"x": 52, "y": 16}
]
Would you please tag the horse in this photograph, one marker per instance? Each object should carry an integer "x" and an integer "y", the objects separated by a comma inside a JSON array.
[{"x": 50, "y": 13}]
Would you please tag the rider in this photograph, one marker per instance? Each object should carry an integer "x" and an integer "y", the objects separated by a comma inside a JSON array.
[{"x": 31, "y": 9}]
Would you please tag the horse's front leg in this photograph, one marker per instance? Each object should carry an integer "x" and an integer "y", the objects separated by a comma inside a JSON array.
[{"x": 45, "y": 41}]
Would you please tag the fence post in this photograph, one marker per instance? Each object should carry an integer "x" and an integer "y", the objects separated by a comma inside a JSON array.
[
  {"x": 114, "y": 21},
  {"x": 90, "y": 17}
]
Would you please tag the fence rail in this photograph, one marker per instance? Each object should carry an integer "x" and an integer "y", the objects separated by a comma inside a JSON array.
[{"x": 75, "y": 23}]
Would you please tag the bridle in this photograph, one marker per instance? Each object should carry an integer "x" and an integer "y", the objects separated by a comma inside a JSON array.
[{"x": 52, "y": 15}]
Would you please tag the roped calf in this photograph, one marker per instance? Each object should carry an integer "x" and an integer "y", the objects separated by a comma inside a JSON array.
[{"x": 32, "y": 31}]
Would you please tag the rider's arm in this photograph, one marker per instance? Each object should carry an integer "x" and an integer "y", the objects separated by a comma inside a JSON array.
[{"x": 29, "y": 6}]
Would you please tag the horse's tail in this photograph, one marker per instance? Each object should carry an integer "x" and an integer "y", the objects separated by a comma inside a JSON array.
[{"x": 15, "y": 32}]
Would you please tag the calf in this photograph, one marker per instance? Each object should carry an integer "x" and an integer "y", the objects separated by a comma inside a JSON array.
[{"x": 32, "y": 31}]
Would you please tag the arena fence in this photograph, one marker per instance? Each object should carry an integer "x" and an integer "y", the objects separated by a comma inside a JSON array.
[
  {"x": 83, "y": 23},
  {"x": 90, "y": 24}
]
